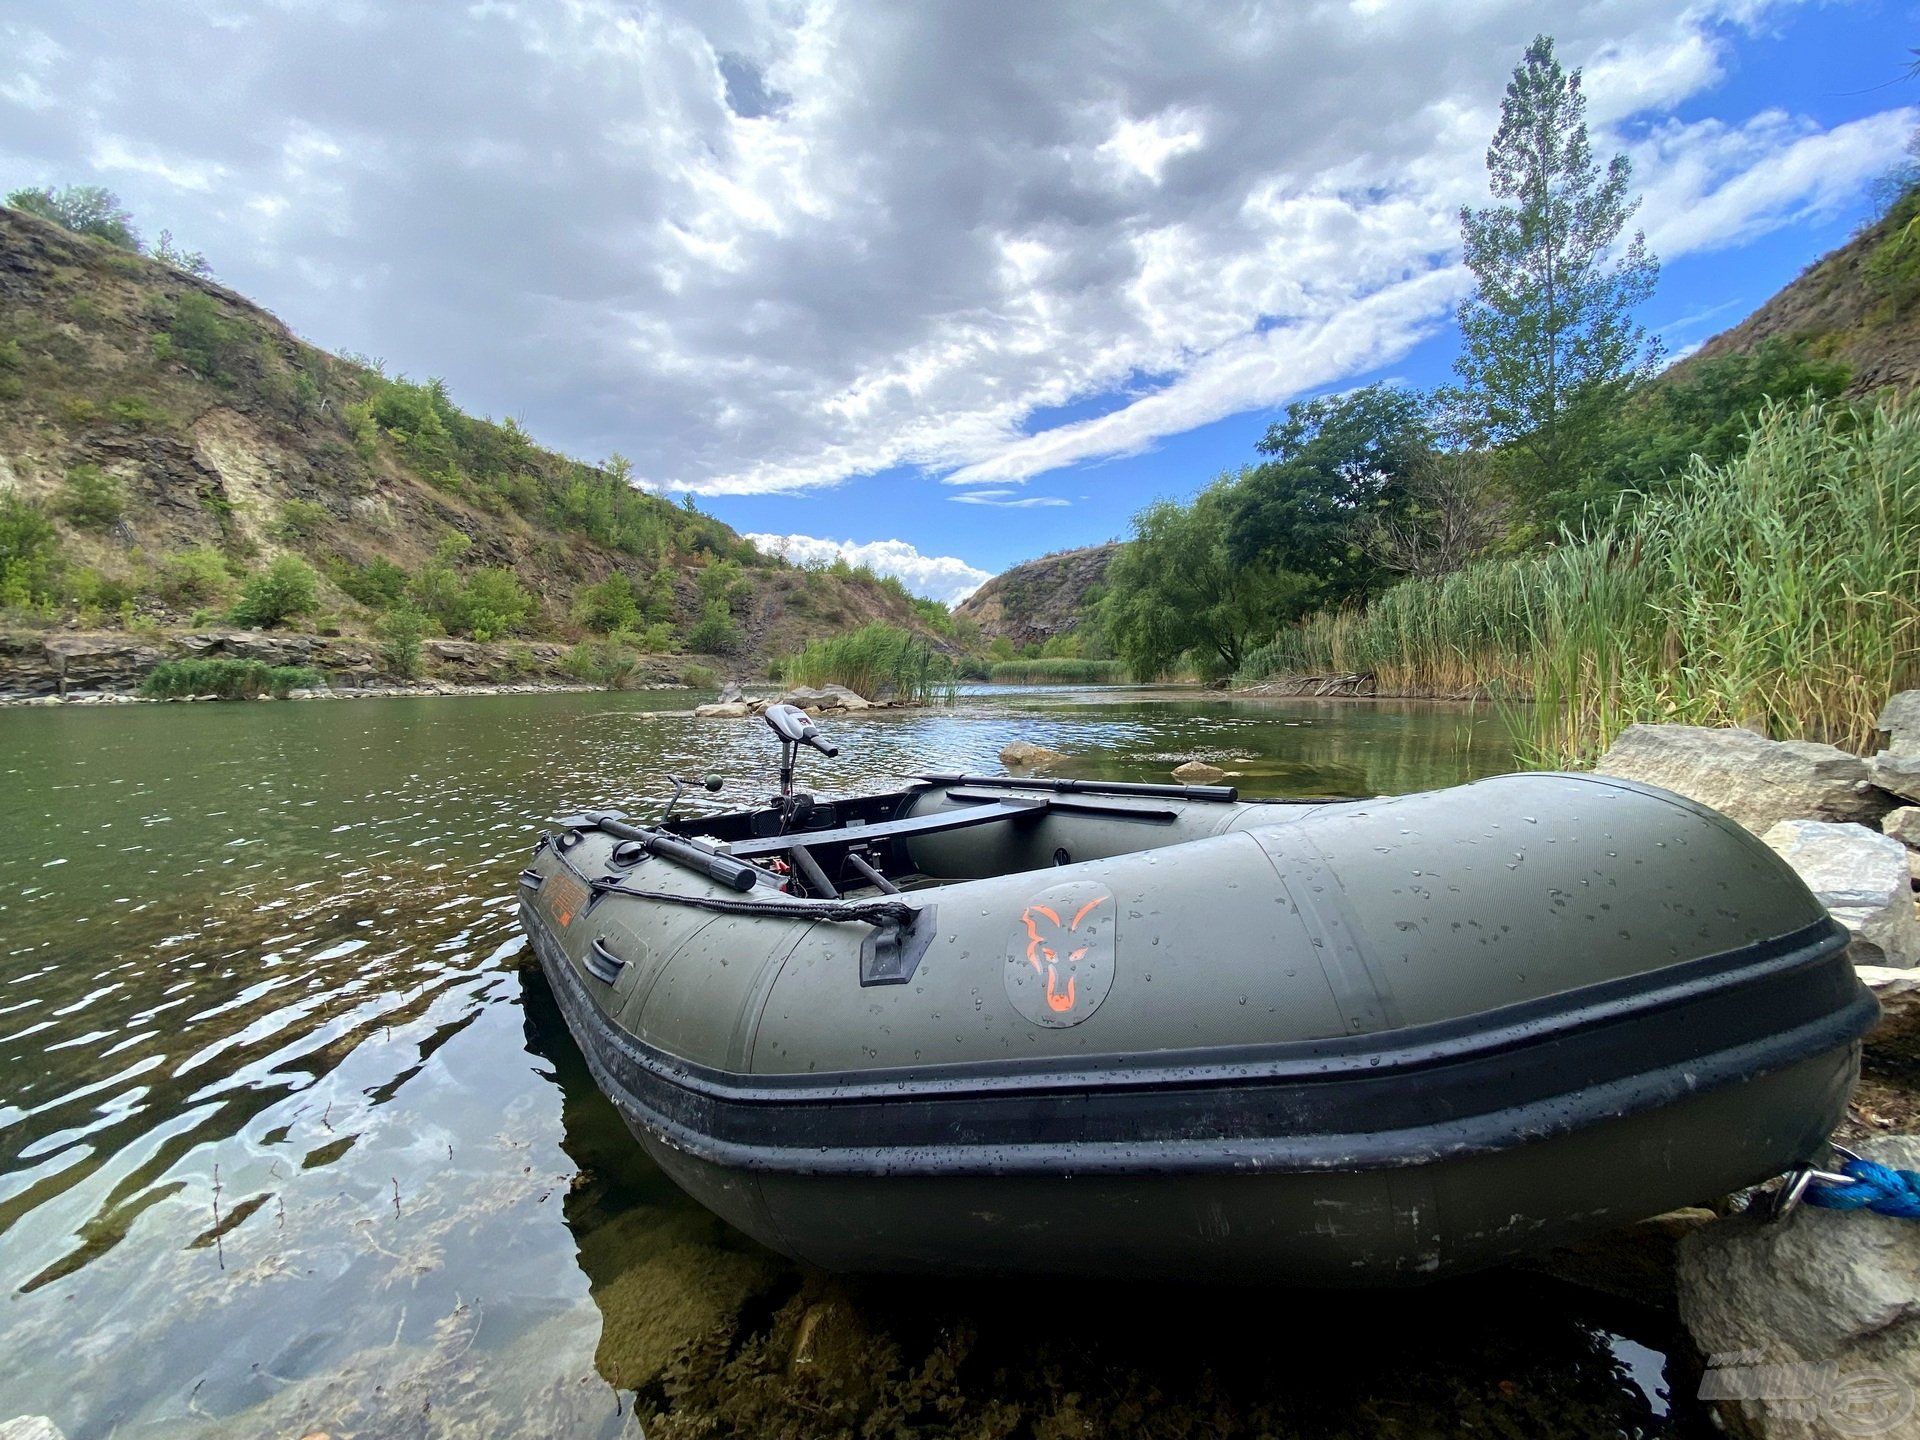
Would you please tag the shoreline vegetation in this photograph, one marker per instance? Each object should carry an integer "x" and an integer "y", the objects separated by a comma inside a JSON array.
[{"x": 1777, "y": 592}]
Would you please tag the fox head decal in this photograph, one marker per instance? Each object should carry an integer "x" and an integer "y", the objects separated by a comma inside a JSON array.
[{"x": 1060, "y": 960}]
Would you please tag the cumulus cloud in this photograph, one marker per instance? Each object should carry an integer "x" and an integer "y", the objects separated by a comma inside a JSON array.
[
  {"x": 765, "y": 245},
  {"x": 938, "y": 577}
]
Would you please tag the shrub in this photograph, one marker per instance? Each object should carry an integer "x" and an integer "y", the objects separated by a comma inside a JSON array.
[
  {"x": 299, "y": 520},
  {"x": 84, "y": 209},
  {"x": 701, "y": 677},
  {"x": 607, "y": 606},
  {"x": 400, "y": 630},
  {"x": 140, "y": 413},
  {"x": 495, "y": 603},
  {"x": 210, "y": 344},
  {"x": 92, "y": 499},
  {"x": 283, "y": 591},
  {"x": 227, "y": 679},
  {"x": 29, "y": 554},
  {"x": 1057, "y": 671},
  {"x": 601, "y": 662},
  {"x": 193, "y": 577},
  {"x": 715, "y": 633},
  {"x": 379, "y": 584}
]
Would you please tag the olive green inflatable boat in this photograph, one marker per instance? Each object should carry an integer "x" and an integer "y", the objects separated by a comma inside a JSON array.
[{"x": 983, "y": 1024}]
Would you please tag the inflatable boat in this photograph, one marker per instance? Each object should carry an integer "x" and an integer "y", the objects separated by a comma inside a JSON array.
[{"x": 986, "y": 1024}]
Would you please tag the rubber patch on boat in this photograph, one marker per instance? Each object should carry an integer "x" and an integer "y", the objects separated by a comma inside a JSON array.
[
  {"x": 1060, "y": 958},
  {"x": 564, "y": 896}
]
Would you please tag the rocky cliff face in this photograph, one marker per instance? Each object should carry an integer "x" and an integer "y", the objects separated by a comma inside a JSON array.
[
  {"x": 1857, "y": 304},
  {"x": 1035, "y": 601}
]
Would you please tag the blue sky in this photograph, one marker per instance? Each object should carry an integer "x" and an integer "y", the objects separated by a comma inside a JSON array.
[
  {"x": 1830, "y": 64},
  {"x": 939, "y": 286}
]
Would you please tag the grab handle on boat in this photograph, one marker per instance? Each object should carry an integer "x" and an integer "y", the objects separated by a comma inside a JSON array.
[
  {"x": 530, "y": 879},
  {"x": 603, "y": 964},
  {"x": 734, "y": 874}
]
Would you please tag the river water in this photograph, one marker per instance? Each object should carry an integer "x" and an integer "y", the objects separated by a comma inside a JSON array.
[{"x": 291, "y": 1140}]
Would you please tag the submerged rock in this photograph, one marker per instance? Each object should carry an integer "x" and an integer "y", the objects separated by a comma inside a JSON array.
[
  {"x": 1810, "y": 1326},
  {"x": 1024, "y": 755},
  {"x": 30, "y": 1427},
  {"x": 1862, "y": 877},
  {"x": 1198, "y": 772},
  {"x": 1747, "y": 777}
]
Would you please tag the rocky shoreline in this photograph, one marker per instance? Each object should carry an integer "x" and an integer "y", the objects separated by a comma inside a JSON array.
[{"x": 101, "y": 667}]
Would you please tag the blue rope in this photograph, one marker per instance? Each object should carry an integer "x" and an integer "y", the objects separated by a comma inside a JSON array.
[{"x": 1875, "y": 1187}]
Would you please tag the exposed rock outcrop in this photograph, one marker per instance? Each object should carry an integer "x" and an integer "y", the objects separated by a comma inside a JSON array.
[
  {"x": 1862, "y": 877},
  {"x": 1748, "y": 778},
  {"x": 1038, "y": 600},
  {"x": 1810, "y": 1326}
]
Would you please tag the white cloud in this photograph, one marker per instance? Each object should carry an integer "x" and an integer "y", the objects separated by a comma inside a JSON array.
[
  {"x": 939, "y": 577},
  {"x": 765, "y": 245},
  {"x": 1007, "y": 499}
]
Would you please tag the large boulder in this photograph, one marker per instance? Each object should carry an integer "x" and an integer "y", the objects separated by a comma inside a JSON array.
[
  {"x": 1810, "y": 1326},
  {"x": 1862, "y": 877},
  {"x": 1024, "y": 755},
  {"x": 1746, "y": 777},
  {"x": 722, "y": 710},
  {"x": 824, "y": 699},
  {"x": 1900, "y": 718}
]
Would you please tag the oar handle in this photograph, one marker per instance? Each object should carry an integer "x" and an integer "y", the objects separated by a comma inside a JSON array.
[{"x": 724, "y": 869}]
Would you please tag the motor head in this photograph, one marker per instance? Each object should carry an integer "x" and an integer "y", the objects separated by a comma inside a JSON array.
[{"x": 792, "y": 724}]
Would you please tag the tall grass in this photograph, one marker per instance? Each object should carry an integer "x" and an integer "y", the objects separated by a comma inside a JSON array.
[
  {"x": 1778, "y": 591},
  {"x": 227, "y": 679},
  {"x": 875, "y": 660},
  {"x": 1058, "y": 672}
]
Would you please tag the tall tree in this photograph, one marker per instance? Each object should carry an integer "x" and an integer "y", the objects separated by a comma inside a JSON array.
[
  {"x": 1175, "y": 591},
  {"x": 1333, "y": 464},
  {"x": 1548, "y": 338}
]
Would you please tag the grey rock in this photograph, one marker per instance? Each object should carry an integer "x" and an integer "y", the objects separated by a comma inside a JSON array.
[
  {"x": 1024, "y": 755},
  {"x": 1862, "y": 877},
  {"x": 824, "y": 699},
  {"x": 30, "y": 1427},
  {"x": 1830, "y": 1297},
  {"x": 728, "y": 710},
  {"x": 1903, "y": 825},
  {"x": 1900, "y": 718},
  {"x": 1750, "y": 779},
  {"x": 1896, "y": 774},
  {"x": 1198, "y": 772},
  {"x": 730, "y": 694}
]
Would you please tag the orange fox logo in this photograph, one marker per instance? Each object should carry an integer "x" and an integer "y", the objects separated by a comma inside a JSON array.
[{"x": 1044, "y": 951}]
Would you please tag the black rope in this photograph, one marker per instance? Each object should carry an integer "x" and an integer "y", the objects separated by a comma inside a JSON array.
[{"x": 878, "y": 913}]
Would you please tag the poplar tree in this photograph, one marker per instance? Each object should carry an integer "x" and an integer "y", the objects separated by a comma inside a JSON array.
[{"x": 1549, "y": 342}]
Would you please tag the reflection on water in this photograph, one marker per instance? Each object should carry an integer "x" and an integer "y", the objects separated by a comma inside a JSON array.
[{"x": 290, "y": 1141}]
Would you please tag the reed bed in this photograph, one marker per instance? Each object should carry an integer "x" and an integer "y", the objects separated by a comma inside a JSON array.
[
  {"x": 873, "y": 661},
  {"x": 1058, "y": 672},
  {"x": 1777, "y": 591}
]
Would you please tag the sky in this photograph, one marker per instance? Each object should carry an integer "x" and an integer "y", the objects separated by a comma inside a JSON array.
[{"x": 939, "y": 286}]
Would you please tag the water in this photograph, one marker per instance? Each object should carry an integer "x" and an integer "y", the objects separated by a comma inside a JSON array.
[{"x": 291, "y": 1141}]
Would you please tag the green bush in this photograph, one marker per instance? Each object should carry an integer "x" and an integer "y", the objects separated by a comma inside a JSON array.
[
  {"x": 379, "y": 584},
  {"x": 400, "y": 631},
  {"x": 285, "y": 590},
  {"x": 608, "y": 606},
  {"x": 715, "y": 633},
  {"x": 495, "y": 603},
  {"x": 29, "y": 554},
  {"x": 227, "y": 679},
  {"x": 140, "y": 413},
  {"x": 700, "y": 677},
  {"x": 300, "y": 520},
  {"x": 210, "y": 344},
  {"x": 601, "y": 662},
  {"x": 92, "y": 499},
  {"x": 193, "y": 577}
]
